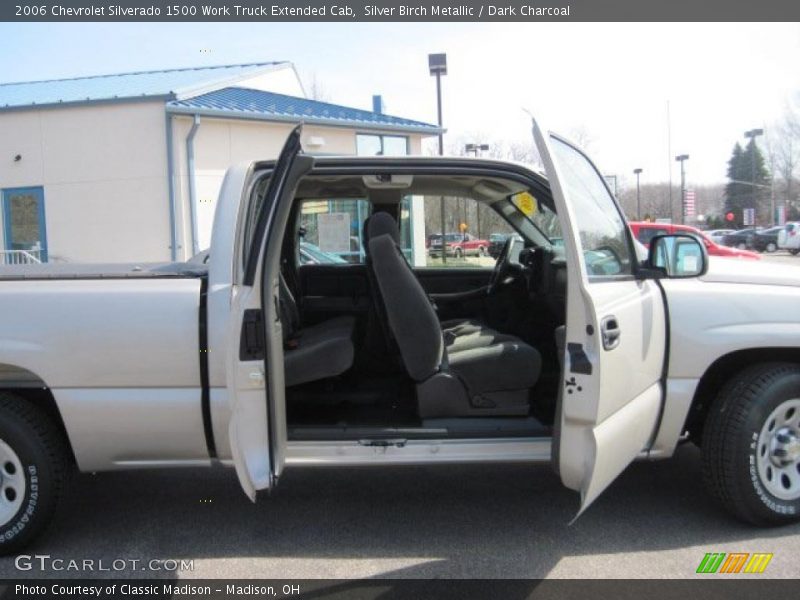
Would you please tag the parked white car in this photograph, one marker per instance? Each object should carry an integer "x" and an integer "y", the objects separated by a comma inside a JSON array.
[
  {"x": 585, "y": 353},
  {"x": 789, "y": 238}
]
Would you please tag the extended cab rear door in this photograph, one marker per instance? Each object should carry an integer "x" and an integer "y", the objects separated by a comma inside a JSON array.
[
  {"x": 254, "y": 368},
  {"x": 611, "y": 394}
]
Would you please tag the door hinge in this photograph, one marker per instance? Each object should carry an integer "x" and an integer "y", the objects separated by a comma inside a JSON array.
[{"x": 251, "y": 341}]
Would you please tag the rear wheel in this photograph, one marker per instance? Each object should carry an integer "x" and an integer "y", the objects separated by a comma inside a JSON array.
[
  {"x": 794, "y": 251},
  {"x": 459, "y": 253},
  {"x": 32, "y": 472},
  {"x": 481, "y": 251},
  {"x": 751, "y": 445}
]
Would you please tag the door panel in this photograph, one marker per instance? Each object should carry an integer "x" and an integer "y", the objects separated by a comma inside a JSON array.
[
  {"x": 454, "y": 280},
  {"x": 254, "y": 374},
  {"x": 611, "y": 396}
]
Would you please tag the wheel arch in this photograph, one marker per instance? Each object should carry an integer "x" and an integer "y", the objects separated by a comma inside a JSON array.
[
  {"x": 29, "y": 387},
  {"x": 721, "y": 371}
]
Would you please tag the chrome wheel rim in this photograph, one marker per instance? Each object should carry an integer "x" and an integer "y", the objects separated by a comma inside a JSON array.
[
  {"x": 12, "y": 483},
  {"x": 778, "y": 451}
]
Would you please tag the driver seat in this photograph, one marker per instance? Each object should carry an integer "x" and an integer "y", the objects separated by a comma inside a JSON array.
[
  {"x": 493, "y": 379},
  {"x": 458, "y": 334}
]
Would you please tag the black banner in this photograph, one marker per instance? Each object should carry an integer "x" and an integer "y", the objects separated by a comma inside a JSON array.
[
  {"x": 700, "y": 588},
  {"x": 410, "y": 11}
]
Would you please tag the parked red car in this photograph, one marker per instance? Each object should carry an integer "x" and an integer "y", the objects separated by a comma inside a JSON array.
[
  {"x": 644, "y": 232},
  {"x": 458, "y": 245}
]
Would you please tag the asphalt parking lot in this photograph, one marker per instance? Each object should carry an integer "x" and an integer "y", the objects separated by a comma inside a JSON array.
[
  {"x": 443, "y": 522},
  {"x": 781, "y": 256}
]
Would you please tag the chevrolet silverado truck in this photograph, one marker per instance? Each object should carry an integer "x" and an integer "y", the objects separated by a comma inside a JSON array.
[{"x": 587, "y": 354}]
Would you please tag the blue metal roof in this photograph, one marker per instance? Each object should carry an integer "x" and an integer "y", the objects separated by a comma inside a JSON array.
[
  {"x": 171, "y": 83},
  {"x": 255, "y": 104}
]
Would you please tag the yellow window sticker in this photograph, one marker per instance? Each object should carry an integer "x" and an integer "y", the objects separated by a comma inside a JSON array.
[{"x": 526, "y": 203}]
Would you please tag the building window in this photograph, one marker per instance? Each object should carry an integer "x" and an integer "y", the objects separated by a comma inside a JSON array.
[
  {"x": 330, "y": 231},
  {"x": 381, "y": 145}
]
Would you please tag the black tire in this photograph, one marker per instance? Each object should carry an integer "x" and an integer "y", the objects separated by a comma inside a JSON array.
[
  {"x": 40, "y": 448},
  {"x": 731, "y": 443},
  {"x": 794, "y": 251},
  {"x": 459, "y": 253}
]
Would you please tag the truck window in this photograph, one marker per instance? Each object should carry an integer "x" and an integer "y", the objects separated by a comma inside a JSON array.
[
  {"x": 250, "y": 217},
  {"x": 603, "y": 235},
  {"x": 473, "y": 232},
  {"x": 331, "y": 230}
]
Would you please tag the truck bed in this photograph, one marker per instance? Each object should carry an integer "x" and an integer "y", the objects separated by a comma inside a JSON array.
[{"x": 103, "y": 271}]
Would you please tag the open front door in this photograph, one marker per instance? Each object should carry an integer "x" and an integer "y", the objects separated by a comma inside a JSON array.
[
  {"x": 611, "y": 395},
  {"x": 254, "y": 366}
]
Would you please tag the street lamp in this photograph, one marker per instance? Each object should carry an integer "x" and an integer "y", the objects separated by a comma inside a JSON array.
[
  {"x": 638, "y": 172},
  {"x": 752, "y": 135},
  {"x": 475, "y": 149},
  {"x": 437, "y": 66},
  {"x": 681, "y": 158}
]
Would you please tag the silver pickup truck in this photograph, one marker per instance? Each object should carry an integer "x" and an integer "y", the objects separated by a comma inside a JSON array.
[{"x": 588, "y": 352}]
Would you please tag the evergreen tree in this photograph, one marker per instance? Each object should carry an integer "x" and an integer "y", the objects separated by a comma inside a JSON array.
[{"x": 739, "y": 193}]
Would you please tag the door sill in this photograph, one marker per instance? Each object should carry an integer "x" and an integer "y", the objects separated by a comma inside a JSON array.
[{"x": 400, "y": 451}]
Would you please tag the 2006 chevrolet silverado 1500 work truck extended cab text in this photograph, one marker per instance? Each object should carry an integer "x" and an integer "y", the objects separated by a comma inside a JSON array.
[{"x": 589, "y": 352}]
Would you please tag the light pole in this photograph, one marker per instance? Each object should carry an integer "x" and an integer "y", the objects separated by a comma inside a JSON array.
[
  {"x": 681, "y": 158},
  {"x": 752, "y": 135},
  {"x": 476, "y": 149},
  {"x": 437, "y": 66},
  {"x": 638, "y": 172}
]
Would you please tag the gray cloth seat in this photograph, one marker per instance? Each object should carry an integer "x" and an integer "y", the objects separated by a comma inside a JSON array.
[
  {"x": 316, "y": 352},
  {"x": 319, "y": 351},
  {"x": 486, "y": 373},
  {"x": 468, "y": 334},
  {"x": 458, "y": 333}
]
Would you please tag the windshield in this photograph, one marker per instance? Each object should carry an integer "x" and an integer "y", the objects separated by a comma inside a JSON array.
[{"x": 540, "y": 215}]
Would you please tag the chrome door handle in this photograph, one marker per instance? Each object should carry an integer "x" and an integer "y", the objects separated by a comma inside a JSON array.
[{"x": 610, "y": 331}]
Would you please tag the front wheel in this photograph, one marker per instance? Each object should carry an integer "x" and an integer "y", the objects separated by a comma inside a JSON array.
[
  {"x": 751, "y": 445},
  {"x": 772, "y": 247},
  {"x": 459, "y": 253},
  {"x": 32, "y": 472},
  {"x": 741, "y": 246}
]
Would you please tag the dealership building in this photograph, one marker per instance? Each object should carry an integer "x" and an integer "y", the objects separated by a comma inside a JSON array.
[{"x": 127, "y": 167}]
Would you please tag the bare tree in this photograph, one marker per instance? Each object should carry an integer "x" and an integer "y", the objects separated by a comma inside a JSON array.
[
  {"x": 581, "y": 137},
  {"x": 786, "y": 149},
  {"x": 315, "y": 89}
]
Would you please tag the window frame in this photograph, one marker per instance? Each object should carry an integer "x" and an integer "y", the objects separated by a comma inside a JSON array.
[{"x": 381, "y": 137}]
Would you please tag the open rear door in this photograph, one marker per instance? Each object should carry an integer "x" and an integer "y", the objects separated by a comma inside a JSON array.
[
  {"x": 254, "y": 366},
  {"x": 611, "y": 392}
]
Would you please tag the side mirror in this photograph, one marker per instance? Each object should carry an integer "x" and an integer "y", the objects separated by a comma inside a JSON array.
[{"x": 677, "y": 256}]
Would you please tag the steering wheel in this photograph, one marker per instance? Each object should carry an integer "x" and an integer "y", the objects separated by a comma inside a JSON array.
[{"x": 501, "y": 267}]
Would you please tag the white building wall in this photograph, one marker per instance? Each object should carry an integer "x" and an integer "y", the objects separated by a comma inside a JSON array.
[
  {"x": 103, "y": 168},
  {"x": 104, "y": 173}
]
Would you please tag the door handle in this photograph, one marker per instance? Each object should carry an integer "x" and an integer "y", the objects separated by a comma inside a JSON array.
[{"x": 610, "y": 331}]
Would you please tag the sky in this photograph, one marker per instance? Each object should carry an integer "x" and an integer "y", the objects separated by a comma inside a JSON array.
[{"x": 610, "y": 83}]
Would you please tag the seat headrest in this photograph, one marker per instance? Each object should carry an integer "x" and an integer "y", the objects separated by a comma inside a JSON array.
[{"x": 379, "y": 224}]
